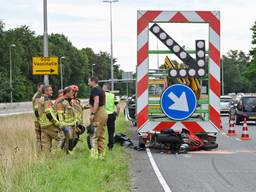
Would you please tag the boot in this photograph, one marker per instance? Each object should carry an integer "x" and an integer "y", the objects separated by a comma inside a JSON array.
[
  {"x": 94, "y": 153},
  {"x": 102, "y": 155}
]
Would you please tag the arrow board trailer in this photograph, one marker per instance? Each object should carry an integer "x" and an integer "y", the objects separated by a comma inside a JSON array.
[
  {"x": 180, "y": 105},
  {"x": 45, "y": 65}
]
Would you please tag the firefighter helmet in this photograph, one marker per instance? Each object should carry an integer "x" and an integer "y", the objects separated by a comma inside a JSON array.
[{"x": 74, "y": 88}]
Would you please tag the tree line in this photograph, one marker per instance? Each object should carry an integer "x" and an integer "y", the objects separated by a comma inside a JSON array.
[
  {"x": 239, "y": 67},
  {"x": 76, "y": 65}
]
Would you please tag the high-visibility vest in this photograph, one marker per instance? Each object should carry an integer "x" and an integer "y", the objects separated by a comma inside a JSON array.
[
  {"x": 78, "y": 110},
  {"x": 110, "y": 102}
]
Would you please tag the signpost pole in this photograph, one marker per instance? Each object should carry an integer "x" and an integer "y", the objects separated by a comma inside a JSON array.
[
  {"x": 111, "y": 42},
  {"x": 46, "y": 77},
  {"x": 127, "y": 88},
  {"x": 61, "y": 71},
  {"x": 10, "y": 52}
]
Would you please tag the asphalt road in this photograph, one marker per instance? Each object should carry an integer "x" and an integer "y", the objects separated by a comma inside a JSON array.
[{"x": 230, "y": 168}]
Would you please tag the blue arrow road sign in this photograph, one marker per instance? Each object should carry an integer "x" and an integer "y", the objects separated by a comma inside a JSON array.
[{"x": 178, "y": 102}]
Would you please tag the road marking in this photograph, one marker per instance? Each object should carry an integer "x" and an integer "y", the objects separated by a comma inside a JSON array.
[
  {"x": 217, "y": 152},
  {"x": 238, "y": 139},
  {"x": 157, "y": 172},
  {"x": 224, "y": 134}
]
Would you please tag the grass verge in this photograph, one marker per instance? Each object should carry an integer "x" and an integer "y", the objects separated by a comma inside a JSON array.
[{"x": 59, "y": 172}]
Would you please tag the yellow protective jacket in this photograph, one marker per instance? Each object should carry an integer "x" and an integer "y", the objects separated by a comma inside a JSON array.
[
  {"x": 65, "y": 113},
  {"x": 35, "y": 104},
  {"x": 78, "y": 110},
  {"x": 47, "y": 117}
]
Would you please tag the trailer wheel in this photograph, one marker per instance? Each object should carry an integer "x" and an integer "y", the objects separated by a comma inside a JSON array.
[
  {"x": 141, "y": 143},
  {"x": 210, "y": 146},
  {"x": 134, "y": 124}
]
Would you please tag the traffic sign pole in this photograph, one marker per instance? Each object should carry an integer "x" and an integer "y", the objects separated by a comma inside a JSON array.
[{"x": 46, "y": 77}]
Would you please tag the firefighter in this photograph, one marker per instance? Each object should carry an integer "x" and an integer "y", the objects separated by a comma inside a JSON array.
[
  {"x": 98, "y": 118},
  {"x": 113, "y": 109},
  {"x": 47, "y": 119},
  {"x": 35, "y": 100},
  {"x": 76, "y": 103},
  {"x": 61, "y": 136},
  {"x": 60, "y": 96},
  {"x": 66, "y": 116},
  {"x": 78, "y": 109}
]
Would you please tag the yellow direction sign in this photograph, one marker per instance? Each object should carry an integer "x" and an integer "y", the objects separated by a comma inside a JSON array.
[{"x": 45, "y": 66}]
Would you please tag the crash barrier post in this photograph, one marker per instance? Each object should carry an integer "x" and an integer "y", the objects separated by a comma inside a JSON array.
[
  {"x": 245, "y": 135},
  {"x": 231, "y": 131}
]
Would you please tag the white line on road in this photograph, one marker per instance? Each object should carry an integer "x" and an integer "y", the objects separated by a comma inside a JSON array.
[{"x": 157, "y": 172}]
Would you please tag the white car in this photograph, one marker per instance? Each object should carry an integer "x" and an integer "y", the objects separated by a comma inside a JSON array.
[
  {"x": 225, "y": 103},
  {"x": 124, "y": 97}
]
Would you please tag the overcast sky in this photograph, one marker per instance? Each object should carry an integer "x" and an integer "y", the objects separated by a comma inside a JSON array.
[{"x": 86, "y": 23}]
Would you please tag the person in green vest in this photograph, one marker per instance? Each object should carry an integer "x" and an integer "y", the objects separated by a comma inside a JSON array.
[{"x": 113, "y": 109}]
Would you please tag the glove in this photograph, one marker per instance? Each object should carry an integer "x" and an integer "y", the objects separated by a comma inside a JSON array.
[
  {"x": 80, "y": 129},
  {"x": 91, "y": 129}
]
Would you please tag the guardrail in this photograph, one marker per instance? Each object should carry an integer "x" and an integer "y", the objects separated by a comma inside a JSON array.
[
  {"x": 4, "y": 106},
  {"x": 17, "y": 108}
]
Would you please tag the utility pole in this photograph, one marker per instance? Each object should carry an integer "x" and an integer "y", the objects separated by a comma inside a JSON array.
[
  {"x": 10, "y": 52},
  {"x": 127, "y": 88},
  {"x": 92, "y": 68},
  {"x": 61, "y": 72},
  {"x": 111, "y": 41},
  {"x": 46, "y": 77}
]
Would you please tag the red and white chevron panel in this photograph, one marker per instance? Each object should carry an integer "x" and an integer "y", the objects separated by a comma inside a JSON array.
[{"x": 210, "y": 17}]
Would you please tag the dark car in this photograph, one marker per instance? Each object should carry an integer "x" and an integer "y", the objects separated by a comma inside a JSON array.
[
  {"x": 130, "y": 109},
  {"x": 246, "y": 108}
]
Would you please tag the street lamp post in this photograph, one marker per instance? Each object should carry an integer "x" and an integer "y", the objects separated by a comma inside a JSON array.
[
  {"x": 111, "y": 41},
  {"x": 92, "y": 67},
  {"x": 10, "y": 52},
  {"x": 46, "y": 77},
  {"x": 61, "y": 72}
]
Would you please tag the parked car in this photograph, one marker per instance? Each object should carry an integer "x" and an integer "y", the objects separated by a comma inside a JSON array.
[
  {"x": 246, "y": 108},
  {"x": 117, "y": 98},
  {"x": 130, "y": 109},
  {"x": 124, "y": 97},
  {"x": 225, "y": 104}
]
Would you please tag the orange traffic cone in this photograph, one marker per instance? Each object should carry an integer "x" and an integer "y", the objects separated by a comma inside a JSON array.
[
  {"x": 231, "y": 131},
  {"x": 245, "y": 135}
]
